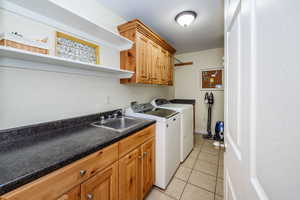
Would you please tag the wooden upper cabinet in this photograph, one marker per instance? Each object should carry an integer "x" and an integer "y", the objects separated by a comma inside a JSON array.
[
  {"x": 144, "y": 70},
  {"x": 170, "y": 69},
  {"x": 164, "y": 66},
  {"x": 102, "y": 186},
  {"x": 154, "y": 51},
  {"x": 147, "y": 57}
]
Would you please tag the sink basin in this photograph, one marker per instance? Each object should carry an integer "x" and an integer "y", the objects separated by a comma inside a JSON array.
[{"x": 118, "y": 124}]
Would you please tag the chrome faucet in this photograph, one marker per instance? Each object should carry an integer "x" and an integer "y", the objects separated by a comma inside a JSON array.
[
  {"x": 118, "y": 113},
  {"x": 115, "y": 115}
]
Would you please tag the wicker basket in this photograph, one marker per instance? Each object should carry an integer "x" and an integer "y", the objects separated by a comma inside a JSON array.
[{"x": 9, "y": 40}]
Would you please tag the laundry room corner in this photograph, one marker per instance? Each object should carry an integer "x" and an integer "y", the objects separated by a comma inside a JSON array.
[{"x": 190, "y": 88}]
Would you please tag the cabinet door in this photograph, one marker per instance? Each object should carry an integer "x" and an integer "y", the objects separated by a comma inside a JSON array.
[
  {"x": 130, "y": 176},
  {"x": 102, "y": 186},
  {"x": 73, "y": 194},
  {"x": 170, "y": 69},
  {"x": 154, "y": 50},
  {"x": 142, "y": 63},
  {"x": 148, "y": 166},
  {"x": 164, "y": 67}
]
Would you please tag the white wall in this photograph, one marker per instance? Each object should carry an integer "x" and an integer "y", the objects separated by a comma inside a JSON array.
[
  {"x": 29, "y": 97},
  {"x": 187, "y": 85},
  {"x": 93, "y": 11}
]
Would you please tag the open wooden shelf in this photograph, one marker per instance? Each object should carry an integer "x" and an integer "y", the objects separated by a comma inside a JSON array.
[
  {"x": 50, "y": 13},
  {"x": 15, "y": 58}
]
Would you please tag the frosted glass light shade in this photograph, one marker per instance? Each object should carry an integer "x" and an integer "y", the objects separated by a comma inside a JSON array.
[{"x": 185, "y": 18}]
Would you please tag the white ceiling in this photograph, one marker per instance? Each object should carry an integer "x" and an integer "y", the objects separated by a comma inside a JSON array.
[{"x": 205, "y": 33}]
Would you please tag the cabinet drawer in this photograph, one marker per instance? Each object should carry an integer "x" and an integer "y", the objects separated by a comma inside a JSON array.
[
  {"x": 102, "y": 186},
  {"x": 128, "y": 144},
  {"x": 55, "y": 184}
]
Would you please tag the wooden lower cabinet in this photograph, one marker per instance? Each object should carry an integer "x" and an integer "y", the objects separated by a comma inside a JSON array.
[
  {"x": 121, "y": 171},
  {"x": 148, "y": 166},
  {"x": 102, "y": 186},
  {"x": 130, "y": 176},
  {"x": 137, "y": 172},
  {"x": 73, "y": 194}
]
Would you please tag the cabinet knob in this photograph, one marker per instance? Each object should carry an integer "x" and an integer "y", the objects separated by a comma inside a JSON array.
[
  {"x": 145, "y": 153},
  {"x": 90, "y": 196},
  {"x": 82, "y": 172},
  {"x": 140, "y": 157}
]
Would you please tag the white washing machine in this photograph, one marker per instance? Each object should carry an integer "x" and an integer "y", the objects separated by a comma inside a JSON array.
[
  {"x": 167, "y": 139},
  {"x": 187, "y": 124}
]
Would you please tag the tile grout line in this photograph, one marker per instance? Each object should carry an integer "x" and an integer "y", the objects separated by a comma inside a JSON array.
[
  {"x": 164, "y": 193},
  {"x": 209, "y": 163},
  {"x": 217, "y": 174},
  {"x": 197, "y": 186},
  {"x": 187, "y": 181},
  {"x": 192, "y": 169},
  {"x": 216, "y": 177}
]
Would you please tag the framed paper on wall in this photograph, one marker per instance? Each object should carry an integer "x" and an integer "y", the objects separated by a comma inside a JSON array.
[
  {"x": 67, "y": 46},
  {"x": 212, "y": 78}
]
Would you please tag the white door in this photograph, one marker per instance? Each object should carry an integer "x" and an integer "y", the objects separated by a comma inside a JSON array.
[{"x": 262, "y": 99}]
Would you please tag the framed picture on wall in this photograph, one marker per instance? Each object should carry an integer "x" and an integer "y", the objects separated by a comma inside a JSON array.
[{"x": 212, "y": 78}]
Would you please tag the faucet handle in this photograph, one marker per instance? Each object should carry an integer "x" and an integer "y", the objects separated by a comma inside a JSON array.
[
  {"x": 102, "y": 118},
  {"x": 115, "y": 115},
  {"x": 123, "y": 110}
]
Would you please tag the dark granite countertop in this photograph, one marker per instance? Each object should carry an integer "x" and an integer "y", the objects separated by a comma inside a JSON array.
[
  {"x": 32, "y": 156},
  {"x": 183, "y": 101}
]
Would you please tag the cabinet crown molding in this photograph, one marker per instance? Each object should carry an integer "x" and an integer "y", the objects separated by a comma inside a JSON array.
[{"x": 146, "y": 31}]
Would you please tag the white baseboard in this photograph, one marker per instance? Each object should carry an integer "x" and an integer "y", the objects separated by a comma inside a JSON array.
[{"x": 200, "y": 133}]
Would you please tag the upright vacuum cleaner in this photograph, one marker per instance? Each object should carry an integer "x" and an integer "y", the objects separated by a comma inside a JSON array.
[{"x": 209, "y": 99}]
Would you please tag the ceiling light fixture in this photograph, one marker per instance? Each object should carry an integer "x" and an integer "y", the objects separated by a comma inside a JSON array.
[{"x": 185, "y": 18}]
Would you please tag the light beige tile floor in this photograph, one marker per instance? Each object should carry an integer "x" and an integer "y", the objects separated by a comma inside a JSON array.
[{"x": 199, "y": 177}]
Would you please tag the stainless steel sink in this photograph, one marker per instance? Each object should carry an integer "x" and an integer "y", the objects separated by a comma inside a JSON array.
[{"x": 117, "y": 124}]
